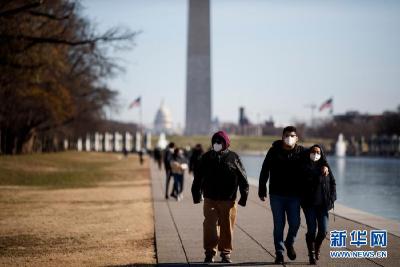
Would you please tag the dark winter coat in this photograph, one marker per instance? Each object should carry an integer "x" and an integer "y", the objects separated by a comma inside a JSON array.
[
  {"x": 318, "y": 190},
  {"x": 283, "y": 169},
  {"x": 167, "y": 159},
  {"x": 194, "y": 158},
  {"x": 218, "y": 176}
]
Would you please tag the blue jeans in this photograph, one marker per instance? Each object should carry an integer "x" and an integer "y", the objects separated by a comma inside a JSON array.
[
  {"x": 283, "y": 206},
  {"x": 316, "y": 216},
  {"x": 178, "y": 183}
]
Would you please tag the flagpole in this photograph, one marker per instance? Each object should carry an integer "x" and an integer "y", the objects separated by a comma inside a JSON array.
[
  {"x": 141, "y": 117},
  {"x": 138, "y": 102},
  {"x": 141, "y": 125}
]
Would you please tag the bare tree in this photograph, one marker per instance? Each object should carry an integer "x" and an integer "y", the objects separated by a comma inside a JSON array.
[{"x": 53, "y": 67}]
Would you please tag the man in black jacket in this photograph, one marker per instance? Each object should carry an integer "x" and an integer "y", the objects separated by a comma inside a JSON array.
[
  {"x": 217, "y": 177},
  {"x": 167, "y": 165},
  {"x": 197, "y": 151},
  {"x": 283, "y": 167}
]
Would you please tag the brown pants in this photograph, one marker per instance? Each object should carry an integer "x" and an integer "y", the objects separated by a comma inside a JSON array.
[{"x": 219, "y": 221}]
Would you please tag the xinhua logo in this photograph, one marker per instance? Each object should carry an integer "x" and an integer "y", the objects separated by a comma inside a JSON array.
[{"x": 358, "y": 239}]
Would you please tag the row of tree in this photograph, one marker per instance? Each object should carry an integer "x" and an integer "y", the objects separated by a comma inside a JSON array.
[
  {"x": 354, "y": 124},
  {"x": 53, "y": 67}
]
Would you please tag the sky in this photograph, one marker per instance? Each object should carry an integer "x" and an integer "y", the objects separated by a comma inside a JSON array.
[{"x": 274, "y": 57}]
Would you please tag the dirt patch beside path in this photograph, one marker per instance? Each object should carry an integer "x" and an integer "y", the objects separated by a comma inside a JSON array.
[{"x": 108, "y": 224}]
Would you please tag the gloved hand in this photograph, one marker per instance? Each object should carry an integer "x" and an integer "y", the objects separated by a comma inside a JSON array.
[
  {"x": 242, "y": 202},
  {"x": 262, "y": 194},
  {"x": 197, "y": 199}
]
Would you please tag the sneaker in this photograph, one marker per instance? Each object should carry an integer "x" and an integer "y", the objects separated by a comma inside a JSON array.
[
  {"x": 209, "y": 259},
  {"x": 279, "y": 259},
  {"x": 226, "y": 258},
  {"x": 290, "y": 252}
]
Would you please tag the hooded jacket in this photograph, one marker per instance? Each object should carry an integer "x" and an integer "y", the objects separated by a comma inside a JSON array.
[
  {"x": 218, "y": 176},
  {"x": 224, "y": 136},
  {"x": 318, "y": 190}
]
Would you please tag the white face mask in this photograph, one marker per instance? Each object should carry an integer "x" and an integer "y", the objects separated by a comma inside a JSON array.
[
  {"x": 290, "y": 140},
  {"x": 315, "y": 157},
  {"x": 217, "y": 147}
]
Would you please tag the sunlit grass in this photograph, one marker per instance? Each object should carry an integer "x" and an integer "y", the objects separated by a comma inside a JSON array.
[{"x": 62, "y": 170}]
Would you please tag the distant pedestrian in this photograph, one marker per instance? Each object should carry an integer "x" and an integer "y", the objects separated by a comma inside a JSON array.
[
  {"x": 319, "y": 195},
  {"x": 158, "y": 157},
  {"x": 167, "y": 166},
  {"x": 141, "y": 159},
  {"x": 125, "y": 152},
  {"x": 217, "y": 177},
  {"x": 196, "y": 153},
  {"x": 187, "y": 151},
  {"x": 178, "y": 167}
]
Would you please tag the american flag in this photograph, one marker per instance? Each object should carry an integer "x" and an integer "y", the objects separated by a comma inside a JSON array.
[
  {"x": 327, "y": 104},
  {"x": 135, "y": 103}
]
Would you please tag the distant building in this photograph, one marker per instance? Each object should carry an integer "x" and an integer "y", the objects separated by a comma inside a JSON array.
[
  {"x": 163, "y": 121},
  {"x": 215, "y": 125},
  {"x": 246, "y": 128},
  {"x": 243, "y": 120},
  {"x": 229, "y": 127},
  {"x": 268, "y": 128},
  {"x": 356, "y": 117}
]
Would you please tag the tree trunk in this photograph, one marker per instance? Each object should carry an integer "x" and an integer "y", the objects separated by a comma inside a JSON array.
[
  {"x": 26, "y": 141},
  {"x": 13, "y": 142},
  {"x": 27, "y": 144},
  {"x": 7, "y": 141}
]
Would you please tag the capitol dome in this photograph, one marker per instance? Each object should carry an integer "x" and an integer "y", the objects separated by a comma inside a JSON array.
[{"x": 163, "y": 120}]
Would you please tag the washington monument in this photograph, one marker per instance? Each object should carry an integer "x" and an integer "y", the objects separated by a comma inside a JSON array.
[{"x": 198, "y": 76}]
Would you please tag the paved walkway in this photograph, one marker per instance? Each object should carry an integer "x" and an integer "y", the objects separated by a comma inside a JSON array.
[{"x": 178, "y": 230}]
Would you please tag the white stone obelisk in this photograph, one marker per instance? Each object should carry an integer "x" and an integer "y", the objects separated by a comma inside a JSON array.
[{"x": 198, "y": 76}]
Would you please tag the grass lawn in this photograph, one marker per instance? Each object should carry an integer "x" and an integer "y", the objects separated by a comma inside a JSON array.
[
  {"x": 57, "y": 170},
  {"x": 75, "y": 209}
]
